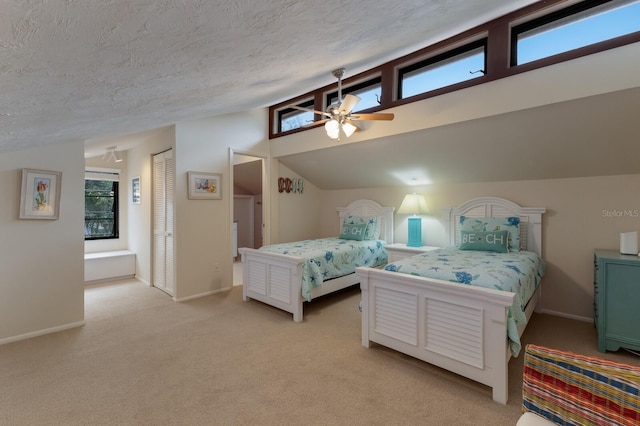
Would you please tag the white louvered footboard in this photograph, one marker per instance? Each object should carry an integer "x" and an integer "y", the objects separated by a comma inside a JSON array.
[
  {"x": 460, "y": 328},
  {"x": 274, "y": 279}
]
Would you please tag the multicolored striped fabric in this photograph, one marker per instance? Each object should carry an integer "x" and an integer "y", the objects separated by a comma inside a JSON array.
[{"x": 570, "y": 389}]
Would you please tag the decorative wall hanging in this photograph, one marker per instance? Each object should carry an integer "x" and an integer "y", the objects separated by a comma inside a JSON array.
[
  {"x": 288, "y": 185},
  {"x": 205, "y": 186},
  {"x": 40, "y": 195},
  {"x": 135, "y": 190}
]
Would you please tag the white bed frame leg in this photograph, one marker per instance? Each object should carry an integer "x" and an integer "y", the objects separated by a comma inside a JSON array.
[
  {"x": 245, "y": 286},
  {"x": 364, "y": 303},
  {"x": 297, "y": 315},
  {"x": 500, "y": 390}
]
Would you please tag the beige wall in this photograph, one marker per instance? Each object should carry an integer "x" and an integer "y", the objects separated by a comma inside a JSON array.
[
  {"x": 580, "y": 217},
  {"x": 299, "y": 217},
  {"x": 42, "y": 278},
  {"x": 203, "y": 227}
]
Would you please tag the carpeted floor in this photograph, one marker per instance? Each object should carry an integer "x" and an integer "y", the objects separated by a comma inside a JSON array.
[{"x": 142, "y": 359}]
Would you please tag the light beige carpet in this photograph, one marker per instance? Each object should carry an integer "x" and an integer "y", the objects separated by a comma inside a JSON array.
[{"x": 142, "y": 359}]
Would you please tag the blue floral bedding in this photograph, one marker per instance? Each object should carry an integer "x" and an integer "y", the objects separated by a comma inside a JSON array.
[
  {"x": 516, "y": 272},
  {"x": 328, "y": 258}
]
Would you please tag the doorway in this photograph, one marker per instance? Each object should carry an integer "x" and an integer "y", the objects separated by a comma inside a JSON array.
[{"x": 248, "y": 207}]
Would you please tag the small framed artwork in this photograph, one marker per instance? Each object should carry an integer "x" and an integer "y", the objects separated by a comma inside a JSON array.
[
  {"x": 40, "y": 195},
  {"x": 205, "y": 186},
  {"x": 135, "y": 190}
]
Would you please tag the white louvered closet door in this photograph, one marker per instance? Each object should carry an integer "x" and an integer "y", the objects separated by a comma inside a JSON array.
[{"x": 163, "y": 246}]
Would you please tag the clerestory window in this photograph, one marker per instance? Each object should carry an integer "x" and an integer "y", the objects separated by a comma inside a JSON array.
[
  {"x": 369, "y": 93},
  {"x": 576, "y": 26},
  {"x": 291, "y": 118},
  {"x": 542, "y": 34},
  {"x": 455, "y": 66}
]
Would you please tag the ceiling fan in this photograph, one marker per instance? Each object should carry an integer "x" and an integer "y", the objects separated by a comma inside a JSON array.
[{"x": 339, "y": 115}]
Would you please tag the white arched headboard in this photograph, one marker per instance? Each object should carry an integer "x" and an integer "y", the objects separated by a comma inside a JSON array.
[
  {"x": 371, "y": 208},
  {"x": 530, "y": 219}
]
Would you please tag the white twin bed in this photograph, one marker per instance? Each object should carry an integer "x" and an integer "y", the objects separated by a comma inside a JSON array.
[
  {"x": 282, "y": 280},
  {"x": 458, "y": 327}
]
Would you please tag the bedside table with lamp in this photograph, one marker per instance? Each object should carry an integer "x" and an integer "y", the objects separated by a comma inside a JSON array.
[{"x": 415, "y": 205}]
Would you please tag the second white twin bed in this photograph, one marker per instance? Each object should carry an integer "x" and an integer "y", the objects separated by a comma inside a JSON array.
[{"x": 463, "y": 308}]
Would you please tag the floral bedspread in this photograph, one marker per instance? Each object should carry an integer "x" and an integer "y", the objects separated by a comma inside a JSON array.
[
  {"x": 516, "y": 272},
  {"x": 328, "y": 258}
]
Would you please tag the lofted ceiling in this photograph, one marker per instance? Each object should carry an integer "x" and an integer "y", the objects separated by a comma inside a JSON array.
[{"x": 93, "y": 70}]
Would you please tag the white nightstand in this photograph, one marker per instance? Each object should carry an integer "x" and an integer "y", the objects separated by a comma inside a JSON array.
[{"x": 399, "y": 251}]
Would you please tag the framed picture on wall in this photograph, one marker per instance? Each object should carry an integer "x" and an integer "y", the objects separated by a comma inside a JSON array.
[
  {"x": 135, "y": 190},
  {"x": 40, "y": 194},
  {"x": 205, "y": 186}
]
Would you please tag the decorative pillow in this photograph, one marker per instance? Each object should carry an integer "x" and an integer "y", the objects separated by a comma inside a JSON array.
[
  {"x": 372, "y": 222},
  {"x": 353, "y": 232},
  {"x": 485, "y": 241},
  {"x": 511, "y": 224}
]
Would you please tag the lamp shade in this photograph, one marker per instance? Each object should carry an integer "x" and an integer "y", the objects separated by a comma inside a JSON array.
[
  {"x": 414, "y": 204},
  {"x": 348, "y": 128}
]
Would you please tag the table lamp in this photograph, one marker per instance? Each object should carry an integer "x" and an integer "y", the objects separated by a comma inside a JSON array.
[{"x": 416, "y": 205}]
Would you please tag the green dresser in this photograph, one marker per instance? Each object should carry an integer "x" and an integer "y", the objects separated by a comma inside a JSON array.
[{"x": 616, "y": 300}]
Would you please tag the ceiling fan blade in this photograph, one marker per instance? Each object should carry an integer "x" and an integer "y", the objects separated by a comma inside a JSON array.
[
  {"x": 379, "y": 116},
  {"x": 347, "y": 105},
  {"x": 309, "y": 110},
  {"x": 315, "y": 123}
]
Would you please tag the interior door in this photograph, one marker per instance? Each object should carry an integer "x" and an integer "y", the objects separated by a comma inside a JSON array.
[
  {"x": 243, "y": 215},
  {"x": 163, "y": 222},
  {"x": 248, "y": 205}
]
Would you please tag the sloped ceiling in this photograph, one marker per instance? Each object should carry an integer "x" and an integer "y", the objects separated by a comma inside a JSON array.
[
  {"x": 247, "y": 177},
  {"x": 592, "y": 136},
  {"x": 93, "y": 70}
]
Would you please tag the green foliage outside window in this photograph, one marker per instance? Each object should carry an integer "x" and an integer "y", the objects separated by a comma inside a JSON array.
[{"x": 100, "y": 209}]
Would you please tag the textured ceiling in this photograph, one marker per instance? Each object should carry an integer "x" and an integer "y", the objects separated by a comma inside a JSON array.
[{"x": 81, "y": 69}]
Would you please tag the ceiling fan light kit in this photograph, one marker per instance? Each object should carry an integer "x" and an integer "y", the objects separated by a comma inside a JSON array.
[
  {"x": 348, "y": 127},
  {"x": 333, "y": 128},
  {"x": 340, "y": 118}
]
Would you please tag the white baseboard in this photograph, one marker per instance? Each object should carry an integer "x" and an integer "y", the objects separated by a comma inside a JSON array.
[
  {"x": 565, "y": 315},
  {"x": 197, "y": 296},
  {"x": 41, "y": 332},
  {"x": 106, "y": 280}
]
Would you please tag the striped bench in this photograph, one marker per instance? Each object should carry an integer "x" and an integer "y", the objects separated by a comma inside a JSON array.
[{"x": 570, "y": 389}]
